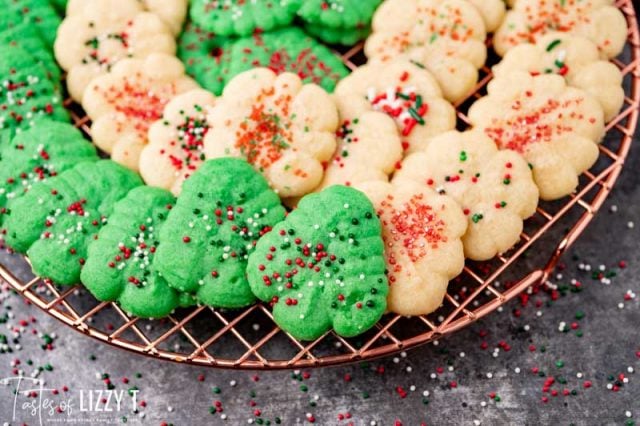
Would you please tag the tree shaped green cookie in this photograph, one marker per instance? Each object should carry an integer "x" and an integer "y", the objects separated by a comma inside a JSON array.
[
  {"x": 323, "y": 267},
  {"x": 57, "y": 219},
  {"x": 213, "y": 60},
  {"x": 37, "y": 13},
  {"x": 223, "y": 209},
  {"x": 27, "y": 37},
  {"x": 243, "y": 17},
  {"x": 38, "y": 154},
  {"x": 120, "y": 262},
  {"x": 338, "y": 21},
  {"x": 26, "y": 94}
]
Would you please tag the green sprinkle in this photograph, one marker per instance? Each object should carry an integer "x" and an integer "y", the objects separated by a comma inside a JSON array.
[
  {"x": 477, "y": 217},
  {"x": 463, "y": 156},
  {"x": 560, "y": 364},
  {"x": 216, "y": 390},
  {"x": 553, "y": 45},
  {"x": 579, "y": 315},
  {"x": 416, "y": 116}
]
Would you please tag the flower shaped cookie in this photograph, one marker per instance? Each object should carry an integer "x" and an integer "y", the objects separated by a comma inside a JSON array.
[
  {"x": 556, "y": 128},
  {"x": 576, "y": 59},
  {"x": 494, "y": 188},
  {"x": 404, "y": 91},
  {"x": 91, "y": 41},
  {"x": 453, "y": 27},
  {"x": 421, "y": 231},
  {"x": 125, "y": 102},
  {"x": 284, "y": 128},
  {"x": 176, "y": 141},
  {"x": 598, "y": 20}
]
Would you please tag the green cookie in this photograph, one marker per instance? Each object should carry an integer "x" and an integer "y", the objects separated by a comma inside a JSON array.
[
  {"x": 323, "y": 266},
  {"x": 27, "y": 38},
  {"x": 59, "y": 5},
  {"x": 57, "y": 219},
  {"x": 37, "y": 13},
  {"x": 221, "y": 212},
  {"x": 214, "y": 61},
  {"x": 38, "y": 154},
  {"x": 338, "y": 21},
  {"x": 243, "y": 17},
  {"x": 119, "y": 266},
  {"x": 27, "y": 96}
]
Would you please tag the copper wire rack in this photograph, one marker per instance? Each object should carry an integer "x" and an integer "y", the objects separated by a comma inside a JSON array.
[{"x": 250, "y": 339}]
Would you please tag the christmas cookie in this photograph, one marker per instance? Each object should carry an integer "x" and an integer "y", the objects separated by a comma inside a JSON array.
[
  {"x": 176, "y": 141},
  {"x": 369, "y": 148},
  {"x": 556, "y": 128},
  {"x": 27, "y": 96},
  {"x": 323, "y": 268},
  {"x": 338, "y": 21},
  {"x": 576, "y": 59},
  {"x": 453, "y": 27},
  {"x": 494, "y": 188},
  {"x": 36, "y": 13},
  {"x": 598, "y": 20},
  {"x": 26, "y": 37},
  {"x": 103, "y": 32},
  {"x": 120, "y": 262},
  {"x": 213, "y": 61},
  {"x": 125, "y": 102},
  {"x": 403, "y": 90},
  {"x": 209, "y": 234},
  {"x": 284, "y": 128},
  {"x": 57, "y": 219},
  {"x": 492, "y": 11},
  {"x": 421, "y": 231},
  {"x": 36, "y": 155},
  {"x": 242, "y": 17}
]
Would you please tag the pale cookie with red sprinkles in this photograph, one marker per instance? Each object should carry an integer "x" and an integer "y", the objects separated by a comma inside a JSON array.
[
  {"x": 124, "y": 103},
  {"x": 421, "y": 231},
  {"x": 176, "y": 141},
  {"x": 369, "y": 148},
  {"x": 284, "y": 128},
  {"x": 454, "y": 27},
  {"x": 598, "y": 20},
  {"x": 555, "y": 127},
  {"x": 494, "y": 188},
  {"x": 403, "y": 90},
  {"x": 576, "y": 59},
  {"x": 91, "y": 41}
]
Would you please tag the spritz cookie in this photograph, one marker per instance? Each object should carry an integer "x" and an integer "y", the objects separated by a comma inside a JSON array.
[
  {"x": 284, "y": 128},
  {"x": 555, "y": 127},
  {"x": 176, "y": 141},
  {"x": 576, "y": 59},
  {"x": 404, "y": 91},
  {"x": 494, "y": 188},
  {"x": 92, "y": 40},
  {"x": 124, "y": 103},
  {"x": 421, "y": 230}
]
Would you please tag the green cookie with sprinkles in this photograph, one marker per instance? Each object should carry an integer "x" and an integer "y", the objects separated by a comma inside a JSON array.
[
  {"x": 222, "y": 211},
  {"x": 27, "y": 96},
  {"x": 57, "y": 219},
  {"x": 120, "y": 262},
  {"x": 36, "y": 155},
  {"x": 243, "y": 17},
  {"x": 37, "y": 13},
  {"x": 26, "y": 36},
  {"x": 323, "y": 267},
  {"x": 338, "y": 21},
  {"x": 213, "y": 61}
]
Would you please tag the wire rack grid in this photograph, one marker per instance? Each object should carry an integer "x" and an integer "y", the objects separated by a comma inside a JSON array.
[{"x": 250, "y": 339}]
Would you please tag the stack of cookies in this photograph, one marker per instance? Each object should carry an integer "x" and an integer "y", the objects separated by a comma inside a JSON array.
[{"x": 214, "y": 125}]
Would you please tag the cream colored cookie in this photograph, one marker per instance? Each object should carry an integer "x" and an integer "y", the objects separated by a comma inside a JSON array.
[
  {"x": 555, "y": 127},
  {"x": 598, "y": 20},
  {"x": 453, "y": 27},
  {"x": 90, "y": 42},
  {"x": 494, "y": 188},
  {"x": 456, "y": 77},
  {"x": 492, "y": 11},
  {"x": 574, "y": 57},
  {"x": 124, "y": 103},
  {"x": 176, "y": 141},
  {"x": 284, "y": 128},
  {"x": 421, "y": 231},
  {"x": 403, "y": 90},
  {"x": 172, "y": 12}
]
